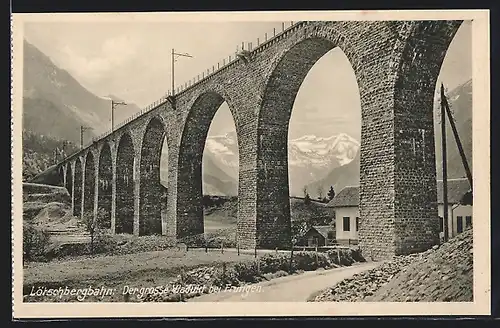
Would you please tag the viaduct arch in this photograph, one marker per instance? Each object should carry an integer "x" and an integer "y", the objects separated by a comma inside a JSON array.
[{"x": 396, "y": 66}]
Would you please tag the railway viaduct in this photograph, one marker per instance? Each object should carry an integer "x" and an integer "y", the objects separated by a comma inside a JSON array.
[{"x": 396, "y": 64}]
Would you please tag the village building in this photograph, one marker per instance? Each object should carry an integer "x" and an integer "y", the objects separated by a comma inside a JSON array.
[
  {"x": 459, "y": 216},
  {"x": 346, "y": 204},
  {"x": 347, "y": 218},
  {"x": 320, "y": 236}
]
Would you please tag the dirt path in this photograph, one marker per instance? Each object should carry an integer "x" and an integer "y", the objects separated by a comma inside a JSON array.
[{"x": 296, "y": 288}]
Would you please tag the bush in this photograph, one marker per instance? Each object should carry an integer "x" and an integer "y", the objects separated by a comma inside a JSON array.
[
  {"x": 35, "y": 243},
  {"x": 217, "y": 239},
  {"x": 100, "y": 239},
  {"x": 264, "y": 268}
]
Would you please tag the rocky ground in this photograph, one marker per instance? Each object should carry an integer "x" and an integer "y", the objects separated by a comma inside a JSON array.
[{"x": 440, "y": 274}]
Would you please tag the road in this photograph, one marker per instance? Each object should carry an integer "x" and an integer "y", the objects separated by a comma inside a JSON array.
[{"x": 295, "y": 288}]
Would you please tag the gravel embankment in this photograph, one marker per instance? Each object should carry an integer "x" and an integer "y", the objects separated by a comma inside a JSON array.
[{"x": 439, "y": 274}]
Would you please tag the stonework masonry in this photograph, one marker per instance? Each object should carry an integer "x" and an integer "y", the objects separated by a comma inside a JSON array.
[{"x": 396, "y": 65}]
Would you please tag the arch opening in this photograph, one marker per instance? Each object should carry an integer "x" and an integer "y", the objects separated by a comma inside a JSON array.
[
  {"x": 456, "y": 75},
  {"x": 152, "y": 191},
  {"x": 89, "y": 189},
  {"x": 77, "y": 197},
  {"x": 61, "y": 177},
  {"x": 204, "y": 175},
  {"x": 69, "y": 180},
  {"x": 104, "y": 195},
  {"x": 324, "y": 139},
  {"x": 125, "y": 186},
  {"x": 220, "y": 173},
  {"x": 273, "y": 184}
]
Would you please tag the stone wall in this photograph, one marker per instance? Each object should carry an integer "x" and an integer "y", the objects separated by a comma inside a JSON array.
[
  {"x": 124, "y": 221},
  {"x": 105, "y": 181},
  {"x": 396, "y": 65}
]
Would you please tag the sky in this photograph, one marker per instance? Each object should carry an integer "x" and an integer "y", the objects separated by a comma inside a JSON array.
[{"x": 132, "y": 61}]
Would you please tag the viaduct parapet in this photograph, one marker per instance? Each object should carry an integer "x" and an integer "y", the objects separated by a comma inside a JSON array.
[{"x": 396, "y": 64}]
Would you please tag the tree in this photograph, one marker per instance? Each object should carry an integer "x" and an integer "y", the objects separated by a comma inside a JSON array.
[
  {"x": 307, "y": 198},
  {"x": 331, "y": 193},
  {"x": 35, "y": 242},
  {"x": 94, "y": 227},
  {"x": 320, "y": 193},
  {"x": 299, "y": 229}
]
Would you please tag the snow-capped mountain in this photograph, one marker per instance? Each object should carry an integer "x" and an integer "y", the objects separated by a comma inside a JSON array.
[
  {"x": 309, "y": 157},
  {"x": 223, "y": 150},
  {"x": 310, "y": 150},
  {"x": 460, "y": 100}
]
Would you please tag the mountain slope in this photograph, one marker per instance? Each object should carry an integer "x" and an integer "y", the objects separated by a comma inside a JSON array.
[
  {"x": 310, "y": 158},
  {"x": 346, "y": 175},
  {"x": 56, "y": 104},
  {"x": 460, "y": 100}
]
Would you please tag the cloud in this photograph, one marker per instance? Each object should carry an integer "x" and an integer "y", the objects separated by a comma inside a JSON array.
[{"x": 113, "y": 54}]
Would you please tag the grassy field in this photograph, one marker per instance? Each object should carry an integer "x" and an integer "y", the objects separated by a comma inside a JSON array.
[
  {"x": 147, "y": 269},
  {"x": 144, "y": 261}
]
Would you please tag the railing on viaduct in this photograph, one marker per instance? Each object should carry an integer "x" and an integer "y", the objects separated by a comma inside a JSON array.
[
  {"x": 225, "y": 64},
  {"x": 394, "y": 63}
]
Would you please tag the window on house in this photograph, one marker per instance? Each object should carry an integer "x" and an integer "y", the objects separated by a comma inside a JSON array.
[
  {"x": 460, "y": 227},
  {"x": 441, "y": 224},
  {"x": 357, "y": 224},
  {"x": 468, "y": 222},
  {"x": 347, "y": 223}
]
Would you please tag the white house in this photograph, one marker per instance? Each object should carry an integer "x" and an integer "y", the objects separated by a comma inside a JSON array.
[
  {"x": 346, "y": 204},
  {"x": 459, "y": 216}
]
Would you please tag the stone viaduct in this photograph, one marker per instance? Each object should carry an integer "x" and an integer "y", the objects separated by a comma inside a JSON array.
[{"x": 396, "y": 64}]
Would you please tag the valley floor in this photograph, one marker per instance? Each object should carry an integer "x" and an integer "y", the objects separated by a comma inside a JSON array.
[{"x": 145, "y": 269}]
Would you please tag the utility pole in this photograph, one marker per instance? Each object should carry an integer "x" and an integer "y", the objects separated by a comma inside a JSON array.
[
  {"x": 113, "y": 106},
  {"x": 83, "y": 129},
  {"x": 457, "y": 138},
  {"x": 445, "y": 173},
  {"x": 174, "y": 56}
]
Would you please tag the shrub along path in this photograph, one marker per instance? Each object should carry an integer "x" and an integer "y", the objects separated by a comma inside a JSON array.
[
  {"x": 295, "y": 288},
  {"x": 168, "y": 268}
]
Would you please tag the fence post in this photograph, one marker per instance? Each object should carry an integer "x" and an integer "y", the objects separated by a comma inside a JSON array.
[
  {"x": 255, "y": 251},
  {"x": 290, "y": 270},
  {"x": 182, "y": 283},
  {"x": 276, "y": 250},
  {"x": 316, "y": 255},
  {"x": 206, "y": 247},
  {"x": 238, "y": 247},
  {"x": 222, "y": 247},
  {"x": 338, "y": 255}
]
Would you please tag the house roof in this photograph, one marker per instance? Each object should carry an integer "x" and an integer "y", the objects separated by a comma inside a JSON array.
[
  {"x": 457, "y": 188},
  {"x": 348, "y": 196},
  {"x": 323, "y": 230}
]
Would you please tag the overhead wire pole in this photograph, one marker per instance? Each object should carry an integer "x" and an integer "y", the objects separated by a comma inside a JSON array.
[
  {"x": 83, "y": 129},
  {"x": 444, "y": 159},
  {"x": 457, "y": 138},
  {"x": 174, "y": 55},
  {"x": 113, "y": 106}
]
